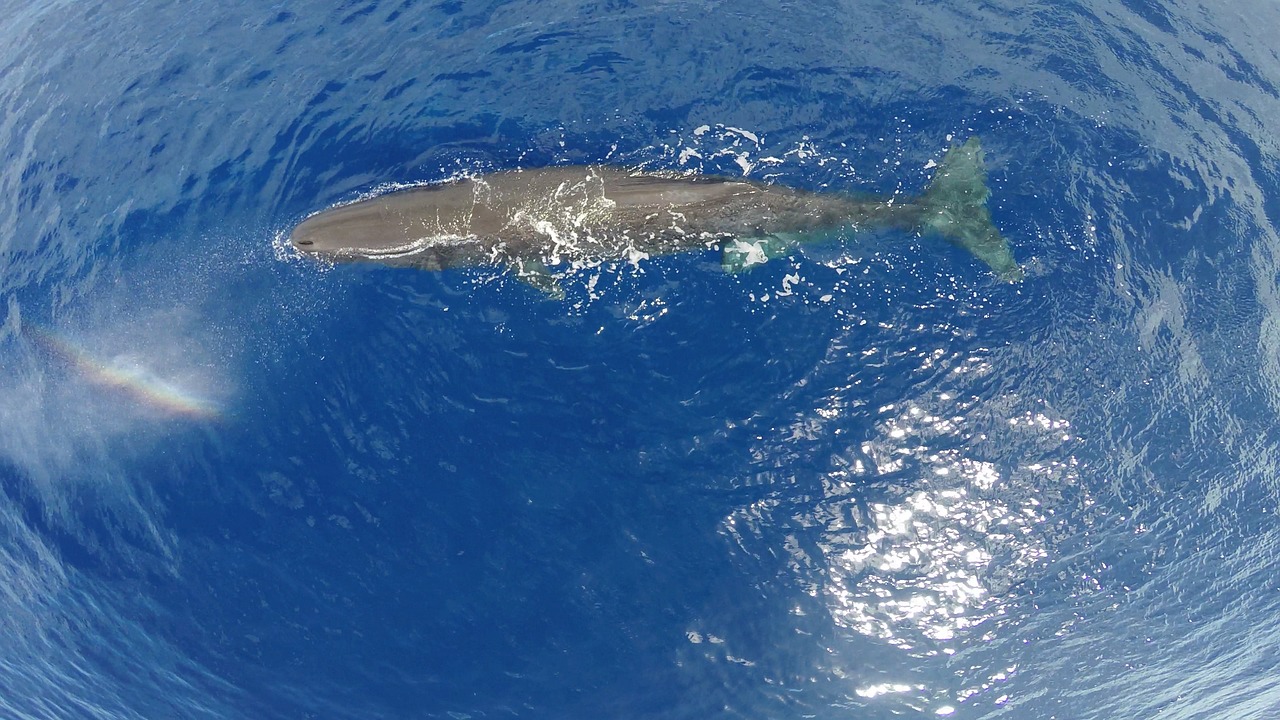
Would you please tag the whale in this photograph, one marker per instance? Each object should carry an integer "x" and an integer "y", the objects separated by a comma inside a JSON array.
[{"x": 532, "y": 220}]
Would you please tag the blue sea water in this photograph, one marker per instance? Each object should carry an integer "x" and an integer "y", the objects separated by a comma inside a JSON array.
[{"x": 866, "y": 481}]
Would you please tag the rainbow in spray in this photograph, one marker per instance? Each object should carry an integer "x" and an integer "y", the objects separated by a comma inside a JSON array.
[{"x": 129, "y": 377}]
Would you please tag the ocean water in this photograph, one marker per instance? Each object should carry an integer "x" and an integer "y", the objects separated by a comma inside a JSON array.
[{"x": 865, "y": 481}]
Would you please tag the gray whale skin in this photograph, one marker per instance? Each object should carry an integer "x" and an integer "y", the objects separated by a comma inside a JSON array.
[{"x": 529, "y": 219}]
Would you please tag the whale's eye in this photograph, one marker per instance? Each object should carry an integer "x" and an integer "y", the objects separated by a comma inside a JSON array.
[{"x": 306, "y": 242}]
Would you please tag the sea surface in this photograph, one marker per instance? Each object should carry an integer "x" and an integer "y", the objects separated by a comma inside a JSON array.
[{"x": 869, "y": 480}]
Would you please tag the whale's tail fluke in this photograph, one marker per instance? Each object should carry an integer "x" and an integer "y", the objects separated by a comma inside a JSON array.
[{"x": 955, "y": 207}]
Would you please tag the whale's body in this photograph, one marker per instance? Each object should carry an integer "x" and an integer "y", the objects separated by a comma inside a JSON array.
[{"x": 530, "y": 219}]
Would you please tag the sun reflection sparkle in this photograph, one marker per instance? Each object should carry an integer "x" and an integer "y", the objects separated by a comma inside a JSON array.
[
  {"x": 928, "y": 561},
  {"x": 917, "y": 538}
]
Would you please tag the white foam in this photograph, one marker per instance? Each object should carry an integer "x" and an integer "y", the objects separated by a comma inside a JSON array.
[{"x": 744, "y": 133}]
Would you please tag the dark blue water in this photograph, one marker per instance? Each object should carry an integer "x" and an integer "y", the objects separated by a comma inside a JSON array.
[{"x": 866, "y": 481}]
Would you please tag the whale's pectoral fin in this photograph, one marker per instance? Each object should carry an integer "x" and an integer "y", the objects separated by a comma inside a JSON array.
[
  {"x": 536, "y": 274},
  {"x": 742, "y": 254}
]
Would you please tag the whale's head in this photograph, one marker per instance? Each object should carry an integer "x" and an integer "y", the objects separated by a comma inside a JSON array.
[
  {"x": 390, "y": 231},
  {"x": 369, "y": 230},
  {"x": 355, "y": 229},
  {"x": 313, "y": 237},
  {"x": 429, "y": 227}
]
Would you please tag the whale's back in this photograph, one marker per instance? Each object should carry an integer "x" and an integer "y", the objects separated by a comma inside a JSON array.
[{"x": 518, "y": 212}]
